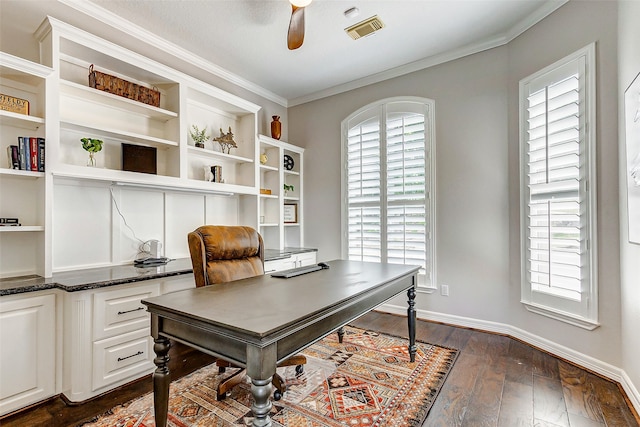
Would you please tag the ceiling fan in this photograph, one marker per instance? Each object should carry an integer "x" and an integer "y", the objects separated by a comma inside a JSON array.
[{"x": 295, "y": 36}]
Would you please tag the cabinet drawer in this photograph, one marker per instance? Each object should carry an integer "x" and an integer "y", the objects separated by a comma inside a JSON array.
[
  {"x": 119, "y": 310},
  {"x": 121, "y": 358},
  {"x": 306, "y": 258},
  {"x": 277, "y": 265}
]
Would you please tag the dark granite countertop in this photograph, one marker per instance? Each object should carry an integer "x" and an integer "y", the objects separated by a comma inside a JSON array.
[{"x": 93, "y": 278}]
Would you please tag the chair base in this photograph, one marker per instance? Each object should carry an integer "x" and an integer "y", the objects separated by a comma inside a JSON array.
[{"x": 278, "y": 382}]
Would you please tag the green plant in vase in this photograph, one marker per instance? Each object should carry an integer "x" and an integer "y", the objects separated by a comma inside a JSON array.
[
  {"x": 199, "y": 136},
  {"x": 92, "y": 146},
  {"x": 288, "y": 188}
]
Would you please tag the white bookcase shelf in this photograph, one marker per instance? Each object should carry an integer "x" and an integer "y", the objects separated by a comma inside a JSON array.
[
  {"x": 8, "y": 118},
  {"x": 23, "y": 193},
  {"x": 95, "y": 96},
  {"x": 21, "y": 228},
  {"x": 16, "y": 173},
  {"x": 211, "y": 154},
  {"x": 273, "y": 175}
]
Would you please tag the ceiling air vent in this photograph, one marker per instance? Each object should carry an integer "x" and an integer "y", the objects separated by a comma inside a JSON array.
[{"x": 364, "y": 28}]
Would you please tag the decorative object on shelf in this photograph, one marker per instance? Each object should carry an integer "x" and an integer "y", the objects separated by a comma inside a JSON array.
[
  {"x": 92, "y": 146},
  {"x": 213, "y": 174},
  {"x": 138, "y": 158},
  {"x": 288, "y": 162},
  {"x": 13, "y": 104},
  {"x": 263, "y": 158},
  {"x": 276, "y": 127},
  {"x": 265, "y": 191},
  {"x": 121, "y": 87},
  {"x": 199, "y": 136},
  {"x": 290, "y": 213},
  {"x": 288, "y": 188},
  {"x": 226, "y": 141},
  {"x": 10, "y": 222}
]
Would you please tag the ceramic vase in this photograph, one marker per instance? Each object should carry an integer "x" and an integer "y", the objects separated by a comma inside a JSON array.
[{"x": 276, "y": 127}]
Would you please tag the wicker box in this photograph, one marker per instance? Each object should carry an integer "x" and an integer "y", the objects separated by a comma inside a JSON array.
[{"x": 120, "y": 87}]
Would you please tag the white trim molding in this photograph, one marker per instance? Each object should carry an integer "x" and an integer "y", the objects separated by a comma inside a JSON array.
[{"x": 590, "y": 363}]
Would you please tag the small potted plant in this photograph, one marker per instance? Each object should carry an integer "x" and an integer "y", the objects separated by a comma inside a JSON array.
[
  {"x": 288, "y": 188},
  {"x": 92, "y": 146},
  {"x": 199, "y": 136}
]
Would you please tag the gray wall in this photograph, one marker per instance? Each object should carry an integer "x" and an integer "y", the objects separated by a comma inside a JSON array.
[
  {"x": 629, "y": 63},
  {"x": 477, "y": 193}
]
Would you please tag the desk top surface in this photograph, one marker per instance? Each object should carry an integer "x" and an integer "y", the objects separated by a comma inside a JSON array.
[{"x": 263, "y": 304}]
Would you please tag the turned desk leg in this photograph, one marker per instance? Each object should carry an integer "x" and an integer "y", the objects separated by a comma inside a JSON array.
[
  {"x": 411, "y": 318},
  {"x": 261, "y": 367},
  {"x": 261, "y": 390},
  {"x": 161, "y": 380}
]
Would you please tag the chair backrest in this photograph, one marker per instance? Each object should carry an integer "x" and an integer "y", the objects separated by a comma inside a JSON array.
[{"x": 225, "y": 253}]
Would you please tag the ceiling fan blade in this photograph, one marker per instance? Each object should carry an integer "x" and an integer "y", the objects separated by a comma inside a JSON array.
[{"x": 295, "y": 37}]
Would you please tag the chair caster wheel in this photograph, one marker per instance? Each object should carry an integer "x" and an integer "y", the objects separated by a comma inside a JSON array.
[
  {"x": 277, "y": 395},
  {"x": 299, "y": 369}
]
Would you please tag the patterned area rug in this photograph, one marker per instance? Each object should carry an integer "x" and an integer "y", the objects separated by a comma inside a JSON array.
[{"x": 366, "y": 381}]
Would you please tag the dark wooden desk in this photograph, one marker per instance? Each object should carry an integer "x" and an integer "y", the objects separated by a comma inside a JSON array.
[{"x": 260, "y": 321}]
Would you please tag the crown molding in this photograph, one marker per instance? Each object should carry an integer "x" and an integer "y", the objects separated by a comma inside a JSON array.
[
  {"x": 111, "y": 19},
  {"x": 542, "y": 12},
  {"x": 117, "y": 22}
]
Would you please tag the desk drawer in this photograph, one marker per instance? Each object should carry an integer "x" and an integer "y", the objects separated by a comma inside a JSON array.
[
  {"x": 122, "y": 358},
  {"x": 119, "y": 311}
]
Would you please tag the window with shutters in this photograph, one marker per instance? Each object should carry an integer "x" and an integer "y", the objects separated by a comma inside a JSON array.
[
  {"x": 558, "y": 197},
  {"x": 388, "y": 209}
]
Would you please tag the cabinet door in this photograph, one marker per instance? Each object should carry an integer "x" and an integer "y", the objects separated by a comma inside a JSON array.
[
  {"x": 27, "y": 356},
  {"x": 306, "y": 258}
]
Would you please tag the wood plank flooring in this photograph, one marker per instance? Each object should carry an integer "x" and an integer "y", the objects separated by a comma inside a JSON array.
[{"x": 496, "y": 381}]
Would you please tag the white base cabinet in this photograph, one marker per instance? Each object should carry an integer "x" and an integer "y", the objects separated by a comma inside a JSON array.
[
  {"x": 28, "y": 350},
  {"x": 293, "y": 261},
  {"x": 107, "y": 336}
]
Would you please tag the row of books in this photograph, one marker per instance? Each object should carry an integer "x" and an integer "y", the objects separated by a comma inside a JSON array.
[{"x": 28, "y": 155}]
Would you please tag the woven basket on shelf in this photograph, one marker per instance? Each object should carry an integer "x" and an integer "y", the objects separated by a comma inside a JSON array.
[{"x": 120, "y": 87}]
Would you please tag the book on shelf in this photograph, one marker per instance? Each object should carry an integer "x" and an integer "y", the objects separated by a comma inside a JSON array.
[
  {"x": 14, "y": 157},
  {"x": 28, "y": 155},
  {"x": 40, "y": 154}
]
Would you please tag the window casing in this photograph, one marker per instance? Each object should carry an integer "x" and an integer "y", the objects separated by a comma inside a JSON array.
[
  {"x": 388, "y": 181},
  {"x": 557, "y": 163}
]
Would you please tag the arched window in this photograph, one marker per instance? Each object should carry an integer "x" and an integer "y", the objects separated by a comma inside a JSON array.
[{"x": 387, "y": 184}]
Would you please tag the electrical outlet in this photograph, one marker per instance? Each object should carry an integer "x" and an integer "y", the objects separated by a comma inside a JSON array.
[{"x": 444, "y": 290}]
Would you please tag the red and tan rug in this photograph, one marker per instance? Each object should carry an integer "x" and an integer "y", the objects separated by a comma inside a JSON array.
[{"x": 366, "y": 381}]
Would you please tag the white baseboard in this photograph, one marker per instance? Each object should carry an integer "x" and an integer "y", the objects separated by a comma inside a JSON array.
[
  {"x": 609, "y": 371},
  {"x": 632, "y": 392}
]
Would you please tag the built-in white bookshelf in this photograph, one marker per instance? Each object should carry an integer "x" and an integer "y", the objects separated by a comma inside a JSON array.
[{"x": 274, "y": 175}]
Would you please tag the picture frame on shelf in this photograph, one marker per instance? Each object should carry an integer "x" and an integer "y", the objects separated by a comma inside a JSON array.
[{"x": 290, "y": 213}]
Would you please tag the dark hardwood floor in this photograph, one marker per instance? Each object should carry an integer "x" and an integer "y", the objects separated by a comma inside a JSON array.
[{"x": 496, "y": 381}]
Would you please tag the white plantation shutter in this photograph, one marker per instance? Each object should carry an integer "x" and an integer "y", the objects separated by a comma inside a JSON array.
[
  {"x": 406, "y": 189},
  {"x": 557, "y": 201},
  {"x": 363, "y": 183},
  {"x": 387, "y": 185}
]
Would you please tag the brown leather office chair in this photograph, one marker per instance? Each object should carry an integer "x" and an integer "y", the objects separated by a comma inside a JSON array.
[{"x": 222, "y": 254}]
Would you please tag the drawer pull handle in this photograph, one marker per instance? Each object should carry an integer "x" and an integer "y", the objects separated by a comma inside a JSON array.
[
  {"x": 130, "y": 311},
  {"x": 120, "y": 359}
]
